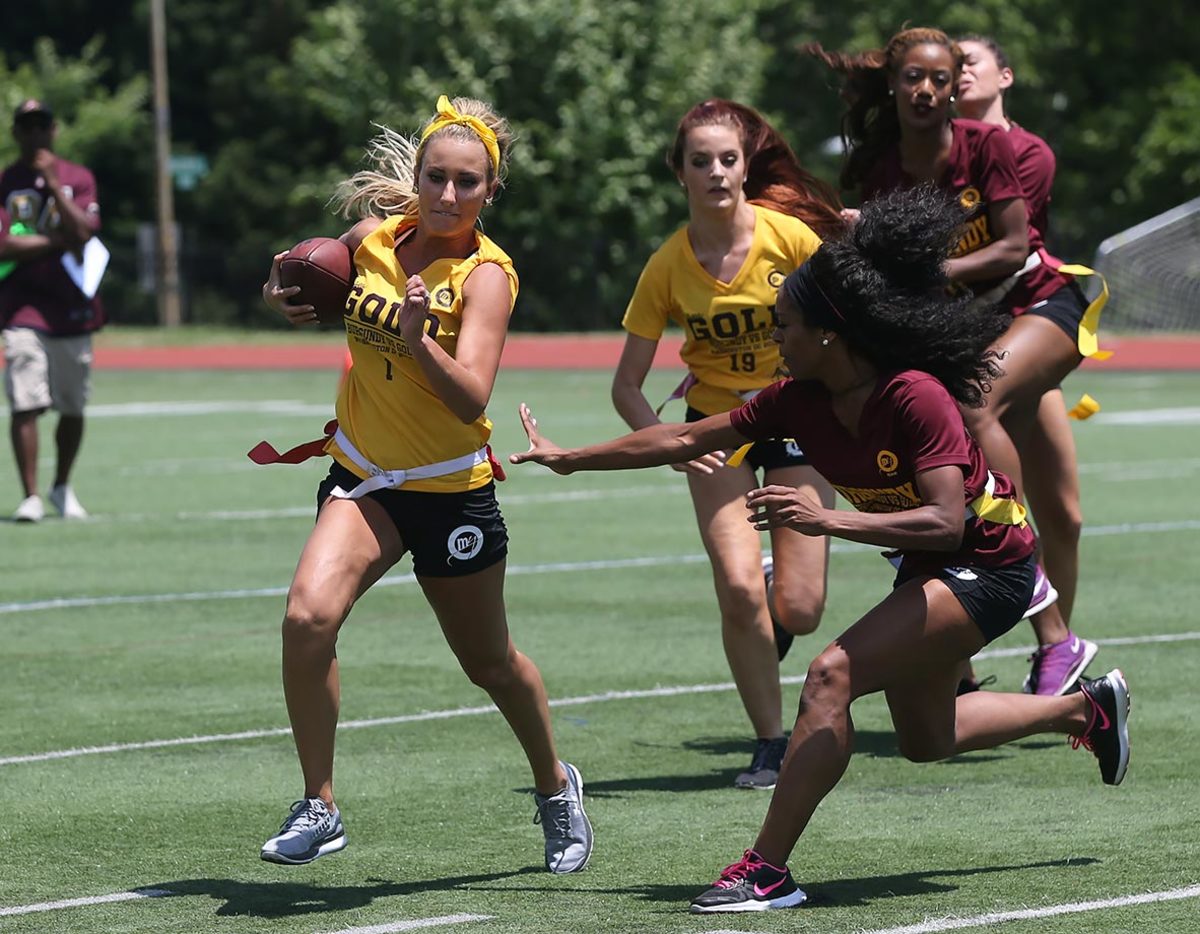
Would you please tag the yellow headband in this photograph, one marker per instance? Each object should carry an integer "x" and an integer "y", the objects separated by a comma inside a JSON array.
[{"x": 448, "y": 116}]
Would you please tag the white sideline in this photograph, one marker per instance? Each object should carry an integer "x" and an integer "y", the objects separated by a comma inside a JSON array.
[
  {"x": 953, "y": 924},
  {"x": 396, "y": 926},
  {"x": 425, "y": 716},
  {"x": 129, "y": 896},
  {"x": 1070, "y": 908},
  {"x": 1125, "y": 528}
]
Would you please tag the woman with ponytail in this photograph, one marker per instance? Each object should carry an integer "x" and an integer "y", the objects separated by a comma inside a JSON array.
[
  {"x": 898, "y": 132},
  {"x": 412, "y": 472},
  {"x": 754, "y": 215},
  {"x": 881, "y": 359}
]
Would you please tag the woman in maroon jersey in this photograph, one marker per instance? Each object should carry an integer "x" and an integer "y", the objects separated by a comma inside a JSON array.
[
  {"x": 1050, "y": 470},
  {"x": 898, "y": 132},
  {"x": 881, "y": 360}
]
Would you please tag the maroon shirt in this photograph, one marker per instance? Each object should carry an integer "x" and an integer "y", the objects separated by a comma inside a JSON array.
[
  {"x": 39, "y": 294},
  {"x": 909, "y": 424},
  {"x": 981, "y": 171},
  {"x": 1035, "y": 168}
]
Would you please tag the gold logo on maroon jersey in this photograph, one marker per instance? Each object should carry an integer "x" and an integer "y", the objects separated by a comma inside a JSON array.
[
  {"x": 969, "y": 197},
  {"x": 887, "y": 462}
]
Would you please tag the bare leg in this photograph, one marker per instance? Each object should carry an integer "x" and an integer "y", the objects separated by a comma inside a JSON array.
[
  {"x": 735, "y": 551},
  {"x": 352, "y": 546},
  {"x": 1038, "y": 357},
  {"x": 1052, "y": 488},
  {"x": 909, "y": 646},
  {"x": 471, "y": 612},
  {"x": 23, "y": 431},
  {"x": 67, "y": 437},
  {"x": 801, "y": 562}
]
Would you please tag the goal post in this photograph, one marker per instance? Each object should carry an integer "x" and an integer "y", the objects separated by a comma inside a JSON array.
[{"x": 1153, "y": 273}]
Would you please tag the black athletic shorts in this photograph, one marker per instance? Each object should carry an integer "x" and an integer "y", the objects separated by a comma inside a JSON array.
[
  {"x": 1065, "y": 308},
  {"x": 764, "y": 455},
  {"x": 995, "y": 598},
  {"x": 449, "y": 534}
]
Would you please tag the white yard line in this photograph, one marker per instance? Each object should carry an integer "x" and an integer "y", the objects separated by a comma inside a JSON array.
[
  {"x": 483, "y": 709},
  {"x": 1050, "y": 911},
  {"x": 1172, "y": 415},
  {"x": 395, "y": 927},
  {"x": 932, "y": 926},
  {"x": 570, "y": 567},
  {"x": 130, "y": 896}
]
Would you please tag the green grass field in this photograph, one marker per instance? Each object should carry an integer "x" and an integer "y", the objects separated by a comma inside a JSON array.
[{"x": 145, "y": 747}]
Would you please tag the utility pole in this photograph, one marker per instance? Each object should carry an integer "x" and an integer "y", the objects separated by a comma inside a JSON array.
[{"x": 169, "y": 305}]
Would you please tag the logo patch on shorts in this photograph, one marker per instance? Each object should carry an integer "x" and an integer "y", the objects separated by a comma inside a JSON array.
[
  {"x": 792, "y": 448},
  {"x": 963, "y": 574},
  {"x": 465, "y": 542}
]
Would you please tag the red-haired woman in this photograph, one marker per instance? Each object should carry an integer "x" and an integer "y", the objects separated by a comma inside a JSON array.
[
  {"x": 898, "y": 132},
  {"x": 754, "y": 215}
]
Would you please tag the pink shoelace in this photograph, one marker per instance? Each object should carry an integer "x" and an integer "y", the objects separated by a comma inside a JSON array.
[
  {"x": 1098, "y": 713},
  {"x": 736, "y": 873}
]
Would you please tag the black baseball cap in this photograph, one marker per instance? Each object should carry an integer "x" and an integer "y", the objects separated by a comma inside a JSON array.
[{"x": 28, "y": 108}]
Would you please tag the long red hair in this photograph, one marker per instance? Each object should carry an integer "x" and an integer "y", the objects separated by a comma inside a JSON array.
[{"x": 774, "y": 176}]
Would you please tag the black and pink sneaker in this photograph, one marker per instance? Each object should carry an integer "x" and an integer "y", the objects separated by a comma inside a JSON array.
[
  {"x": 750, "y": 884},
  {"x": 1107, "y": 733}
]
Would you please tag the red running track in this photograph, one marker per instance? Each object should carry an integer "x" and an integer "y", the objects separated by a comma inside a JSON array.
[{"x": 556, "y": 352}]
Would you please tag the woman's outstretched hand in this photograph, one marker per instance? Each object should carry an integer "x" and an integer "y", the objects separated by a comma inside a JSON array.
[
  {"x": 541, "y": 450},
  {"x": 778, "y": 507}
]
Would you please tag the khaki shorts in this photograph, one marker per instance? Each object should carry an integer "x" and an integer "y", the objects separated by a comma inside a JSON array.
[{"x": 45, "y": 372}]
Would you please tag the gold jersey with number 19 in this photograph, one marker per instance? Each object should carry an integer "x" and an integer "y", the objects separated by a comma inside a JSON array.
[
  {"x": 386, "y": 406},
  {"x": 727, "y": 325}
]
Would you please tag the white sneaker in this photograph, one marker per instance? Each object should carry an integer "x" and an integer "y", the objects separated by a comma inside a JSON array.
[
  {"x": 30, "y": 510},
  {"x": 566, "y": 827},
  {"x": 63, "y": 499},
  {"x": 310, "y": 830}
]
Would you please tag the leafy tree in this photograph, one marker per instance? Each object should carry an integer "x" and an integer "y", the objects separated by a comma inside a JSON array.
[{"x": 281, "y": 95}]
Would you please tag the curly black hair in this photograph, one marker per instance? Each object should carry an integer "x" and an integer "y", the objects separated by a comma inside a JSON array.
[{"x": 887, "y": 279}]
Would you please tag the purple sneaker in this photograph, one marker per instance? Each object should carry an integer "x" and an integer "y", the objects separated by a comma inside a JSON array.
[
  {"x": 1057, "y": 667},
  {"x": 1044, "y": 594}
]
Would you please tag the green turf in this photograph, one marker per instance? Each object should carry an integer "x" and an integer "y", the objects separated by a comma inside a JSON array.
[{"x": 438, "y": 812}]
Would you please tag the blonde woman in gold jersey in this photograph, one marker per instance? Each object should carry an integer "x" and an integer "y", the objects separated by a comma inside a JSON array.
[{"x": 412, "y": 473}]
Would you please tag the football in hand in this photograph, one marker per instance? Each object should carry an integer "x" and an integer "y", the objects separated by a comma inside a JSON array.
[{"x": 324, "y": 270}]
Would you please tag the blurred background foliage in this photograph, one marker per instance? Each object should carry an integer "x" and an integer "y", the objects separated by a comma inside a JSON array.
[{"x": 279, "y": 97}]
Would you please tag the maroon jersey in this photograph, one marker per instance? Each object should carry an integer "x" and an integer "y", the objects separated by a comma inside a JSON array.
[
  {"x": 1035, "y": 168},
  {"x": 981, "y": 171},
  {"x": 39, "y": 294},
  {"x": 909, "y": 424}
]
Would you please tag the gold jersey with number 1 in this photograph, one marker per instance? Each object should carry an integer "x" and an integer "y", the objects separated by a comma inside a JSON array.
[
  {"x": 727, "y": 325},
  {"x": 386, "y": 406}
]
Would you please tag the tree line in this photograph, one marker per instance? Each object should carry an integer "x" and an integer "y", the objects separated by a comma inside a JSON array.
[{"x": 280, "y": 97}]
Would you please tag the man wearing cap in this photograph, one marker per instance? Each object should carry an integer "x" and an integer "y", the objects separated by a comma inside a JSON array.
[{"x": 48, "y": 208}]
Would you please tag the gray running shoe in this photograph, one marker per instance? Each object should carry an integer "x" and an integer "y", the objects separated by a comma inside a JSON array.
[
  {"x": 765, "y": 766},
  {"x": 567, "y": 828},
  {"x": 310, "y": 830}
]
